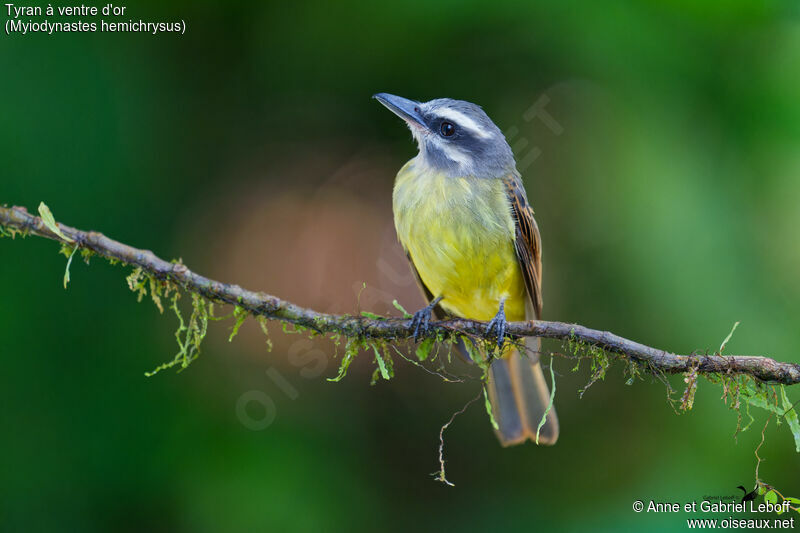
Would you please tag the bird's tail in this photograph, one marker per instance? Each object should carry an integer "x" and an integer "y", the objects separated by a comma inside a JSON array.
[{"x": 519, "y": 397}]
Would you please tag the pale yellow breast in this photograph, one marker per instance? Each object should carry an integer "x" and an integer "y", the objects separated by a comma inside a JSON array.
[{"x": 460, "y": 235}]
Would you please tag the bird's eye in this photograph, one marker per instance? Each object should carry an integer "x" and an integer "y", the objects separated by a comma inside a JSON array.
[{"x": 447, "y": 129}]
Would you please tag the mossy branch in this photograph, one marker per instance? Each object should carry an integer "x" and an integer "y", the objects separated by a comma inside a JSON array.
[{"x": 14, "y": 220}]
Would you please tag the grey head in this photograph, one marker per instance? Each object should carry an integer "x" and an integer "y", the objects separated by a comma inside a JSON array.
[{"x": 454, "y": 137}]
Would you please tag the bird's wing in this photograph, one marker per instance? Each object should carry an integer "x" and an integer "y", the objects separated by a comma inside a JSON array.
[
  {"x": 527, "y": 242},
  {"x": 438, "y": 312}
]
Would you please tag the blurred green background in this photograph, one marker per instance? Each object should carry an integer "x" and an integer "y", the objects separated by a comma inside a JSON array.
[{"x": 668, "y": 198}]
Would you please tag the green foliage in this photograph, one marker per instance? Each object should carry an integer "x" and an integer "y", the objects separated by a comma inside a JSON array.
[
  {"x": 481, "y": 353},
  {"x": 262, "y": 321},
  {"x": 400, "y": 308},
  {"x": 423, "y": 351},
  {"x": 191, "y": 332},
  {"x": 770, "y": 495},
  {"x": 384, "y": 360},
  {"x": 758, "y": 394},
  {"x": 11, "y": 232},
  {"x": 239, "y": 316},
  {"x": 767, "y": 397},
  {"x": 139, "y": 282},
  {"x": 727, "y": 339},
  {"x": 50, "y": 222},
  {"x": 790, "y": 414},
  {"x": 295, "y": 328},
  {"x": 488, "y": 405},
  {"x": 599, "y": 359},
  {"x": 188, "y": 335},
  {"x": 350, "y": 352},
  {"x": 738, "y": 391},
  {"x": 69, "y": 252},
  {"x": 633, "y": 369},
  {"x": 550, "y": 403},
  {"x": 442, "y": 373}
]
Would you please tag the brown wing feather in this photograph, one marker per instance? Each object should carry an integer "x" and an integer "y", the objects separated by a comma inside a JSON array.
[{"x": 528, "y": 242}]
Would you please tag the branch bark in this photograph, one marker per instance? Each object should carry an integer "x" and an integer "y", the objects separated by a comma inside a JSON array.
[{"x": 258, "y": 303}]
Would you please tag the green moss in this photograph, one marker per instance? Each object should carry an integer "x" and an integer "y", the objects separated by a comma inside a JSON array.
[
  {"x": 424, "y": 349},
  {"x": 240, "y": 314},
  {"x": 575, "y": 348},
  {"x": 550, "y": 403},
  {"x": 189, "y": 335},
  {"x": 690, "y": 378},
  {"x": 400, "y": 308},
  {"x": 10, "y": 232},
  {"x": 383, "y": 360},
  {"x": 262, "y": 321},
  {"x": 141, "y": 282},
  {"x": 68, "y": 251},
  {"x": 633, "y": 370},
  {"x": 87, "y": 254},
  {"x": 790, "y": 415},
  {"x": 350, "y": 352},
  {"x": 600, "y": 360},
  {"x": 488, "y": 405},
  {"x": 292, "y": 329}
]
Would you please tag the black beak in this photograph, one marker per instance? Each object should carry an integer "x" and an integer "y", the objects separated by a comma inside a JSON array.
[{"x": 404, "y": 108}]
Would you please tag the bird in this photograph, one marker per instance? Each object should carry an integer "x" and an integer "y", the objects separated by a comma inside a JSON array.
[{"x": 462, "y": 216}]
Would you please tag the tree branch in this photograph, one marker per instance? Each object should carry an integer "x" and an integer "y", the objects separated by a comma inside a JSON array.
[{"x": 272, "y": 307}]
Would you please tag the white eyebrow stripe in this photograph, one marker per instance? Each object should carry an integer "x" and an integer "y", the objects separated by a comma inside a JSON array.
[
  {"x": 454, "y": 154},
  {"x": 463, "y": 120}
]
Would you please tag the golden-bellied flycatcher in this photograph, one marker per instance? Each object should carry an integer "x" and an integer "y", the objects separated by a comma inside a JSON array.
[{"x": 463, "y": 218}]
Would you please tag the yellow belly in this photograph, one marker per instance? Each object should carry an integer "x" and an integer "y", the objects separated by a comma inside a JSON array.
[{"x": 460, "y": 235}]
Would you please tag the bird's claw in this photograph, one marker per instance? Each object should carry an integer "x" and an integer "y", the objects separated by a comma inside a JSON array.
[
  {"x": 498, "y": 324},
  {"x": 422, "y": 319}
]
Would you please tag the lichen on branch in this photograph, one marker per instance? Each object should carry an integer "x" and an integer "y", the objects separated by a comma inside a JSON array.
[{"x": 17, "y": 220}]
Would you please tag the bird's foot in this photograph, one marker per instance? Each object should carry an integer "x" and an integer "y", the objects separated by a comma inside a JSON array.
[
  {"x": 422, "y": 318},
  {"x": 498, "y": 325}
]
